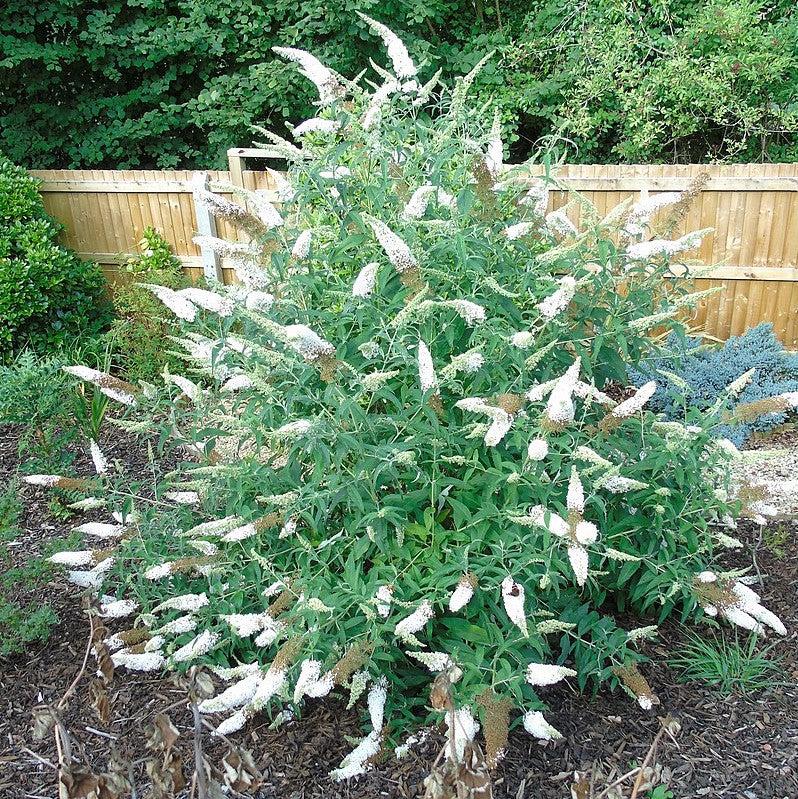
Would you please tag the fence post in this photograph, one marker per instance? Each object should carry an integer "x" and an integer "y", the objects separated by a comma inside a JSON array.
[{"x": 206, "y": 226}]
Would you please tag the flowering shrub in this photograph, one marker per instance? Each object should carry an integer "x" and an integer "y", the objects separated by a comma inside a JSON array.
[{"x": 402, "y": 469}]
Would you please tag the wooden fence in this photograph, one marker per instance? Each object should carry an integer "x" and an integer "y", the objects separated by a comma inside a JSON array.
[{"x": 752, "y": 208}]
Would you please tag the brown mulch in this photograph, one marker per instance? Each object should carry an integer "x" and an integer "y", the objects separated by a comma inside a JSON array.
[{"x": 739, "y": 747}]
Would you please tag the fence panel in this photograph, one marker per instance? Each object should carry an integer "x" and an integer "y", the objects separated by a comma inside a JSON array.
[{"x": 752, "y": 209}]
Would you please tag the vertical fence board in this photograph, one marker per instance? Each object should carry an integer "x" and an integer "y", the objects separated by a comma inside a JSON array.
[{"x": 754, "y": 226}]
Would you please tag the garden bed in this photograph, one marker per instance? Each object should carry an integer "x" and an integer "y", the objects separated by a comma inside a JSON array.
[{"x": 739, "y": 746}]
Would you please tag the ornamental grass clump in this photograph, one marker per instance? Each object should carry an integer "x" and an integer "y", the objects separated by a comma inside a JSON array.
[{"x": 401, "y": 474}]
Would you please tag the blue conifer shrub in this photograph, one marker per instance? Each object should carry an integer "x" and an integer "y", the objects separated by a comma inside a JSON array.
[{"x": 706, "y": 372}]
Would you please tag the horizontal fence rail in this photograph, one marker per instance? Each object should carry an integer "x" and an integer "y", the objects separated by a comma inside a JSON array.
[{"x": 751, "y": 208}]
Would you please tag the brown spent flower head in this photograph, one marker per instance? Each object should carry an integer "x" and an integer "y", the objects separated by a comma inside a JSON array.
[
  {"x": 496, "y": 725},
  {"x": 268, "y": 521},
  {"x": 133, "y": 636},
  {"x": 287, "y": 653},
  {"x": 284, "y": 600},
  {"x": 637, "y": 684},
  {"x": 351, "y": 661},
  {"x": 440, "y": 695},
  {"x": 751, "y": 411},
  {"x": 185, "y": 565},
  {"x": 679, "y": 211},
  {"x": 328, "y": 365},
  {"x": 511, "y": 403}
]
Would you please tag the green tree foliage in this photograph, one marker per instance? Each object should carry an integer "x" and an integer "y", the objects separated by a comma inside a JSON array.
[
  {"x": 48, "y": 295},
  {"x": 169, "y": 84}
]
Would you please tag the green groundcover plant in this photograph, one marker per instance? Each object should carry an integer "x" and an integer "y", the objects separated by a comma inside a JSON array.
[{"x": 401, "y": 472}]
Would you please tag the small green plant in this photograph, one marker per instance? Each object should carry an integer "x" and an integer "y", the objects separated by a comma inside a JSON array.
[
  {"x": 24, "y": 618},
  {"x": 727, "y": 664},
  {"x": 776, "y": 538},
  {"x": 10, "y": 511},
  {"x": 661, "y": 792},
  {"x": 139, "y": 334},
  {"x": 37, "y": 396}
]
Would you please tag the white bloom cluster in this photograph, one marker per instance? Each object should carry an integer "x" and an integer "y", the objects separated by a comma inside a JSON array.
[
  {"x": 197, "y": 647},
  {"x": 301, "y": 248},
  {"x": 410, "y": 625},
  {"x": 373, "y": 112},
  {"x": 556, "y": 303},
  {"x": 98, "y": 458},
  {"x": 646, "y": 250},
  {"x": 325, "y": 81},
  {"x": 209, "y": 300},
  {"x": 311, "y": 682},
  {"x": 641, "y": 212},
  {"x": 536, "y": 725},
  {"x": 471, "y": 312},
  {"x": 537, "y": 449},
  {"x": 426, "y": 369},
  {"x": 559, "y": 224},
  {"x": 560, "y": 406},
  {"x": 462, "y": 594},
  {"x": 636, "y": 402},
  {"x": 416, "y": 206},
  {"x": 502, "y": 421},
  {"x": 357, "y": 761},
  {"x": 101, "y": 529},
  {"x": 366, "y": 280},
  {"x": 469, "y": 362},
  {"x": 545, "y": 674},
  {"x": 523, "y": 340},
  {"x": 316, "y": 125},
  {"x": 513, "y": 598},
  {"x": 395, "y": 248},
  {"x": 537, "y": 198},
  {"x": 111, "y": 608},
  {"x": 740, "y": 605},
  {"x": 383, "y": 599},
  {"x": 617, "y": 484},
  {"x": 376, "y": 380},
  {"x": 519, "y": 230},
  {"x": 185, "y": 603},
  {"x": 179, "y": 305},
  {"x": 403, "y": 66},
  {"x": 108, "y": 385},
  {"x": 306, "y": 342},
  {"x": 461, "y": 729},
  {"x": 139, "y": 661}
]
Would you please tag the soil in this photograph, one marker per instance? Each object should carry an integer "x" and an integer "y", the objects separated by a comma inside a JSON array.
[{"x": 738, "y": 747}]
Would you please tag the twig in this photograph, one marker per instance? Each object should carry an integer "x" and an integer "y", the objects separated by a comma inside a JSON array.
[
  {"x": 95, "y": 731},
  {"x": 618, "y": 781},
  {"x": 199, "y": 769},
  {"x": 86, "y": 654},
  {"x": 666, "y": 722},
  {"x": 41, "y": 759}
]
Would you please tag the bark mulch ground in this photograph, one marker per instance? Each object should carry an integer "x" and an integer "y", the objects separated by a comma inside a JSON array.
[{"x": 738, "y": 747}]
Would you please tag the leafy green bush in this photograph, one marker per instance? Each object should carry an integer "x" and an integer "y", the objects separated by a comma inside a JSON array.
[
  {"x": 172, "y": 84},
  {"x": 696, "y": 376},
  {"x": 139, "y": 333},
  {"x": 675, "y": 82},
  {"x": 400, "y": 460},
  {"x": 48, "y": 296}
]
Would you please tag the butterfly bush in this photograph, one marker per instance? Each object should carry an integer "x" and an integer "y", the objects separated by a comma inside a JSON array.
[{"x": 400, "y": 466}]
